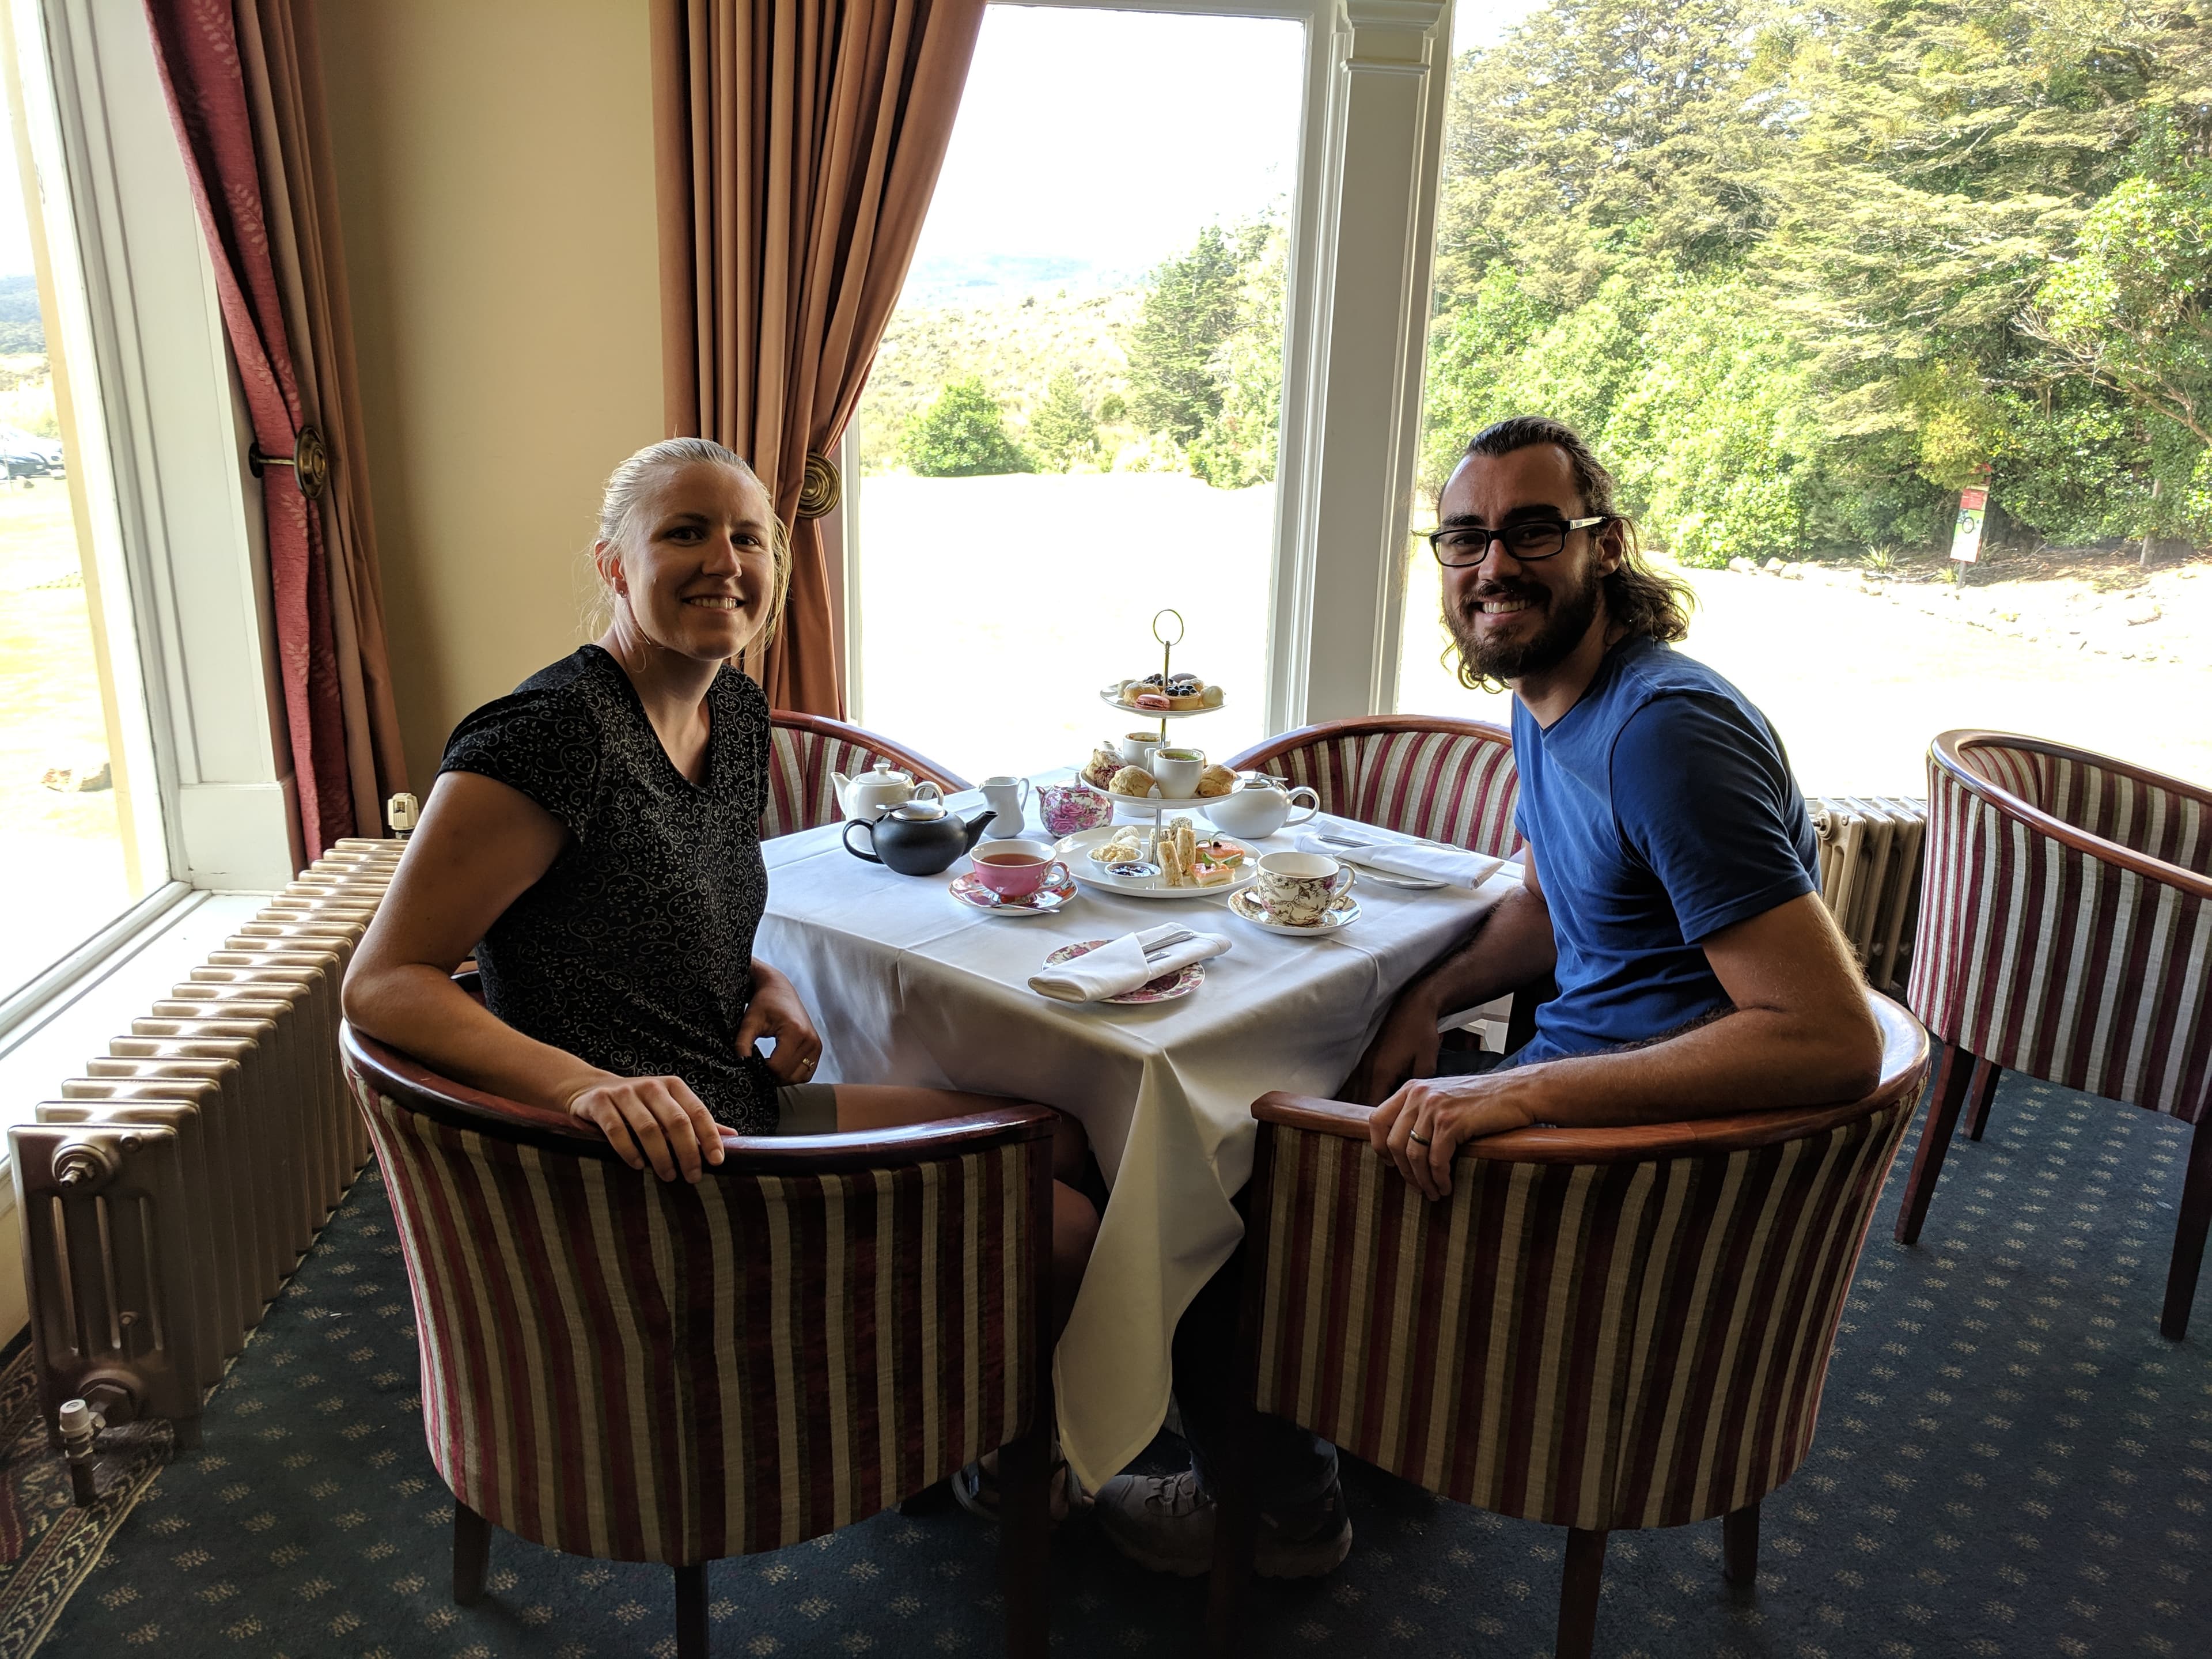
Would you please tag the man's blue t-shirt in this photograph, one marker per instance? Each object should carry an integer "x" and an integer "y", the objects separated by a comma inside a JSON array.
[{"x": 1661, "y": 810}]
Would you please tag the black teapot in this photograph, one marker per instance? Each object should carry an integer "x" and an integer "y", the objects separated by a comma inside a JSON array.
[{"x": 918, "y": 839}]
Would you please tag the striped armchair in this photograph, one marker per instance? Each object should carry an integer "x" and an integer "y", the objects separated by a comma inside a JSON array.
[
  {"x": 1599, "y": 1329},
  {"x": 1431, "y": 776},
  {"x": 2066, "y": 934},
  {"x": 805, "y": 750},
  {"x": 642, "y": 1370}
]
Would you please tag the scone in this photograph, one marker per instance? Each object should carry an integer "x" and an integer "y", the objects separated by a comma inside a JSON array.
[
  {"x": 1215, "y": 781},
  {"x": 1133, "y": 780},
  {"x": 1099, "y": 770}
]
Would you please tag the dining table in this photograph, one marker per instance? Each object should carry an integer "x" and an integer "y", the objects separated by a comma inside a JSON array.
[{"x": 909, "y": 985}]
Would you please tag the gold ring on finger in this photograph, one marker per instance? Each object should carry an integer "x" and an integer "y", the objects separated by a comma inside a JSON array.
[{"x": 1418, "y": 1141}]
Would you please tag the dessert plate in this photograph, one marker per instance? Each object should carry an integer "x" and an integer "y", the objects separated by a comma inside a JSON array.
[
  {"x": 1341, "y": 915},
  {"x": 1045, "y": 902},
  {"x": 1075, "y": 851},
  {"x": 1166, "y": 988},
  {"x": 1108, "y": 695}
]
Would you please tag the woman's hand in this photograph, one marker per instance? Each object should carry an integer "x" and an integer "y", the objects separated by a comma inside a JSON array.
[
  {"x": 1421, "y": 1126},
  {"x": 655, "y": 1120},
  {"x": 776, "y": 1011}
]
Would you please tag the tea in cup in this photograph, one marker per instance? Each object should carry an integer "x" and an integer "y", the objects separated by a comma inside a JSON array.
[
  {"x": 1298, "y": 889},
  {"x": 1177, "y": 771},
  {"x": 1017, "y": 869},
  {"x": 1136, "y": 749}
]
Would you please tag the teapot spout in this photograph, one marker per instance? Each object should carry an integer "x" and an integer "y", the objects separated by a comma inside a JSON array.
[{"x": 974, "y": 828}]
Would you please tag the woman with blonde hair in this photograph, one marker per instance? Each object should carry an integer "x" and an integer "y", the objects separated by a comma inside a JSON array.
[{"x": 593, "y": 840}]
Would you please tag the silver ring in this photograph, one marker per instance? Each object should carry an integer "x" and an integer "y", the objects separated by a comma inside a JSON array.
[{"x": 1418, "y": 1141}]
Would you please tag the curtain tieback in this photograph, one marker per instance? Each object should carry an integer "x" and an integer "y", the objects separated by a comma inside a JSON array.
[
  {"x": 310, "y": 461},
  {"x": 820, "y": 486}
]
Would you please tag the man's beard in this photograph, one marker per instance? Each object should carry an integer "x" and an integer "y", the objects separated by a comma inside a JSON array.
[{"x": 1567, "y": 619}]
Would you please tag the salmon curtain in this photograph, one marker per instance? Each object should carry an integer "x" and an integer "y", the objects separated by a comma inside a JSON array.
[
  {"x": 796, "y": 142},
  {"x": 244, "y": 79}
]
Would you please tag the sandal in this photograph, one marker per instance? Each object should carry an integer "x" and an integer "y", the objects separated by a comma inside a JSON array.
[{"x": 976, "y": 1489}]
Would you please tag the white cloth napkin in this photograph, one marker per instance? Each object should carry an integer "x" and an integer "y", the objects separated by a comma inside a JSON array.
[
  {"x": 1420, "y": 860},
  {"x": 1121, "y": 965}
]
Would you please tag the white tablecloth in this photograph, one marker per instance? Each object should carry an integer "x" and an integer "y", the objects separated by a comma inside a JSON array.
[{"x": 909, "y": 986}]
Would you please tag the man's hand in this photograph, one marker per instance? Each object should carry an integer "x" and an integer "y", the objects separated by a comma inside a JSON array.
[
  {"x": 776, "y": 1011},
  {"x": 1405, "y": 1046},
  {"x": 1421, "y": 1126},
  {"x": 656, "y": 1120}
]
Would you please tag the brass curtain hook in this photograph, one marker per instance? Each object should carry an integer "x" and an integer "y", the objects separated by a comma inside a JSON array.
[{"x": 310, "y": 461}]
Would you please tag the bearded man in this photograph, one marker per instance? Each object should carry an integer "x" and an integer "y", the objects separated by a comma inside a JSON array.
[
  {"x": 1670, "y": 889},
  {"x": 1671, "y": 886}
]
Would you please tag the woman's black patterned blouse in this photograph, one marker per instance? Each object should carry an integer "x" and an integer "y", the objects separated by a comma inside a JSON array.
[{"x": 634, "y": 952}]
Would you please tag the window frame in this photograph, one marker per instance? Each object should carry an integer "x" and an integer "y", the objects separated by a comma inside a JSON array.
[
  {"x": 1376, "y": 78},
  {"x": 163, "y": 444}
]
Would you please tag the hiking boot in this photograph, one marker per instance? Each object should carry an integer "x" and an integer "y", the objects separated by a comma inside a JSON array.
[{"x": 1165, "y": 1522}]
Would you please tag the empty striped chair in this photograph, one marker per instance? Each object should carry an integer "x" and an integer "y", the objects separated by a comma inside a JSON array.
[
  {"x": 1598, "y": 1329},
  {"x": 1447, "y": 780},
  {"x": 646, "y": 1371},
  {"x": 2066, "y": 934},
  {"x": 805, "y": 751}
]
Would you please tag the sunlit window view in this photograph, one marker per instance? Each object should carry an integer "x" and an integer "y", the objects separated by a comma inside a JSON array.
[
  {"x": 1807, "y": 297},
  {"x": 1072, "y": 422},
  {"x": 72, "y": 862}
]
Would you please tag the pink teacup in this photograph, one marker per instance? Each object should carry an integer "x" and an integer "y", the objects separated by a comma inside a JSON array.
[{"x": 1016, "y": 869}]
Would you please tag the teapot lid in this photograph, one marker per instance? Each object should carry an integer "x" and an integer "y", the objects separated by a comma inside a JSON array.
[
  {"x": 884, "y": 772},
  {"x": 916, "y": 811}
]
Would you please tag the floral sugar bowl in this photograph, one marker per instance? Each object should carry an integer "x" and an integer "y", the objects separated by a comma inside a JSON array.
[{"x": 1068, "y": 807}]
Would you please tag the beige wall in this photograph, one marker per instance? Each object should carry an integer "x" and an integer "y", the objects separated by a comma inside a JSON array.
[{"x": 494, "y": 164}]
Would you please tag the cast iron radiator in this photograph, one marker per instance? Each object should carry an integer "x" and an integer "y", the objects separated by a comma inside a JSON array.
[
  {"x": 1870, "y": 858},
  {"x": 168, "y": 1194}
]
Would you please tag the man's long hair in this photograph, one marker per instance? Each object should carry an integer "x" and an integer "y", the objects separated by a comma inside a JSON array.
[{"x": 1638, "y": 599}]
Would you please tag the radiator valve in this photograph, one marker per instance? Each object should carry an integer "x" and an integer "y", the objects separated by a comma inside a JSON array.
[
  {"x": 85, "y": 1164},
  {"x": 81, "y": 1425},
  {"x": 401, "y": 811}
]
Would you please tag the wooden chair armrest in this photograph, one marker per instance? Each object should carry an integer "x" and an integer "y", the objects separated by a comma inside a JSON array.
[{"x": 448, "y": 1102}]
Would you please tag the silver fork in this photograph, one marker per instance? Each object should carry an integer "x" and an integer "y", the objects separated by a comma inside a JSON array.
[{"x": 1169, "y": 944}]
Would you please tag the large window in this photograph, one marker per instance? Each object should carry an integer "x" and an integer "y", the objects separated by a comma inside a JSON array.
[
  {"x": 1074, "y": 421},
  {"x": 79, "y": 829},
  {"x": 1804, "y": 275}
]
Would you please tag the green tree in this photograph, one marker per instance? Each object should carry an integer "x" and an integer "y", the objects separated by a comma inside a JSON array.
[
  {"x": 1237, "y": 446},
  {"x": 963, "y": 434},
  {"x": 1063, "y": 432},
  {"x": 1190, "y": 313}
]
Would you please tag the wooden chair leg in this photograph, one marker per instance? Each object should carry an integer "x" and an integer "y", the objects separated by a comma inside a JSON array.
[
  {"x": 1578, "y": 1585},
  {"x": 1980, "y": 1092},
  {"x": 2189, "y": 1236},
  {"x": 471, "y": 1554},
  {"x": 1025, "y": 1541},
  {"x": 1740, "y": 1545},
  {"x": 1236, "y": 1532},
  {"x": 1944, "y": 1101},
  {"x": 691, "y": 1611}
]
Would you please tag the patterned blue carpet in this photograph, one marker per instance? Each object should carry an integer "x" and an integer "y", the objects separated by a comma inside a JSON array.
[{"x": 2010, "y": 1462}]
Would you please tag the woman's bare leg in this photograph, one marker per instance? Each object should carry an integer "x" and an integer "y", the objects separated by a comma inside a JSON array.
[{"x": 1074, "y": 1219}]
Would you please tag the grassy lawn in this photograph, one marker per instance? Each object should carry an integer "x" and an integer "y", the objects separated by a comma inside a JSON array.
[
  {"x": 992, "y": 608},
  {"x": 63, "y": 852}
]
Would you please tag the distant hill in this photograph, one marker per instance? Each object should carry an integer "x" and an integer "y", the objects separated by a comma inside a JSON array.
[
  {"x": 943, "y": 280},
  {"x": 21, "y": 327},
  {"x": 1015, "y": 344}
]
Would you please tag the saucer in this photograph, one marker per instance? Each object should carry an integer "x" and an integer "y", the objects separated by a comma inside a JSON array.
[
  {"x": 1166, "y": 988},
  {"x": 1045, "y": 902},
  {"x": 1341, "y": 915}
]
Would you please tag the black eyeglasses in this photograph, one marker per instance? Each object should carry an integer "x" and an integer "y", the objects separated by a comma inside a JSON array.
[{"x": 1528, "y": 541}]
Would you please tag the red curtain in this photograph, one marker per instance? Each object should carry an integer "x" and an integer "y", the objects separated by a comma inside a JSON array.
[{"x": 250, "y": 206}]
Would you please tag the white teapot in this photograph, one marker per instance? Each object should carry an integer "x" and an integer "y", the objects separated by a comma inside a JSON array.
[
  {"x": 1258, "y": 806},
  {"x": 875, "y": 792}
]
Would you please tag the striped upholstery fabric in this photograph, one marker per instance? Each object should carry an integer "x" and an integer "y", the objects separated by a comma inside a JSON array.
[
  {"x": 1455, "y": 787},
  {"x": 640, "y": 1370},
  {"x": 802, "y": 758},
  {"x": 2049, "y": 960},
  {"x": 1602, "y": 1344}
]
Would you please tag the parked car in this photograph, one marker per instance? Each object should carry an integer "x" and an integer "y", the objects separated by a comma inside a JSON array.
[{"x": 27, "y": 455}]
